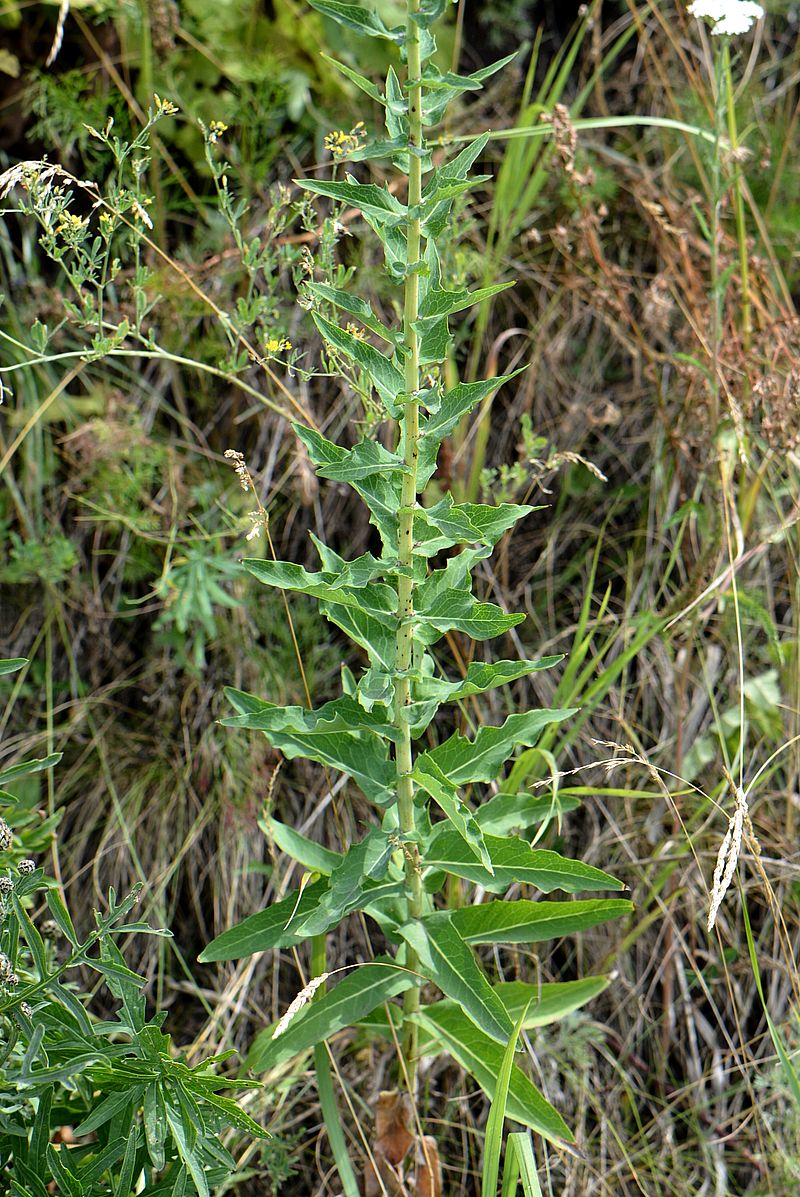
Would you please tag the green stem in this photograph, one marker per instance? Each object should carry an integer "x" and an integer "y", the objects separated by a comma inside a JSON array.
[
  {"x": 738, "y": 200},
  {"x": 408, "y": 504},
  {"x": 716, "y": 201}
]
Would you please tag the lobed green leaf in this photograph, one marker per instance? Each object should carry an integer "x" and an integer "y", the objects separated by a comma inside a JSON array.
[
  {"x": 458, "y": 402},
  {"x": 367, "y": 197},
  {"x": 387, "y": 379},
  {"x": 341, "y": 735},
  {"x": 480, "y": 759},
  {"x": 360, "y": 20},
  {"x": 355, "y": 305},
  {"x": 515, "y": 862},
  {"x": 461, "y": 612},
  {"x": 480, "y": 677}
]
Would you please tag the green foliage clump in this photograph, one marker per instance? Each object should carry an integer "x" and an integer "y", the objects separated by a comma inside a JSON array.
[{"x": 138, "y": 1115}]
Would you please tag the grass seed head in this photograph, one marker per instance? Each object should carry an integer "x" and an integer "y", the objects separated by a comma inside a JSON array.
[{"x": 303, "y": 998}]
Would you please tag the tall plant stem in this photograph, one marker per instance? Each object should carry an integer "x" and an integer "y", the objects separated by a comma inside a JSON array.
[
  {"x": 716, "y": 203},
  {"x": 738, "y": 200},
  {"x": 405, "y": 585}
]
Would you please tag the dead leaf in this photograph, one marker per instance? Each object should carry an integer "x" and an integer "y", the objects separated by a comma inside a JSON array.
[
  {"x": 394, "y": 1139},
  {"x": 428, "y": 1170},
  {"x": 393, "y": 1122}
]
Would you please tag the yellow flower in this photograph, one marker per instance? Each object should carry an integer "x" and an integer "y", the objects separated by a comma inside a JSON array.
[
  {"x": 71, "y": 224},
  {"x": 339, "y": 144},
  {"x": 278, "y": 344},
  {"x": 164, "y": 107}
]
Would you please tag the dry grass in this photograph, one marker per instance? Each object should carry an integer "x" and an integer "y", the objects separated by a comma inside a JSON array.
[{"x": 668, "y": 585}]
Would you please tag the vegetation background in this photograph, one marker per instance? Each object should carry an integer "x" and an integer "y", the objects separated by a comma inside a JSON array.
[{"x": 123, "y": 526}]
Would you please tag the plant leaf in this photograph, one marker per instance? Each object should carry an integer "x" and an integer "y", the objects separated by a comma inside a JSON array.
[
  {"x": 328, "y": 737},
  {"x": 364, "y": 988},
  {"x": 514, "y": 862},
  {"x": 480, "y": 677},
  {"x": 533, "y": 922},
  {"x": 355, "y": 305},
  {"x": 452, "y": 1030},
  {"x": 306, "y": 852},
  {"x": 550, "y": 1001},
  {"x": 355, "y": 883},
  {"x": 24, "y": 768},
  {"x": 267, "y": 928},
  {"x": 457, "y": 610},
  {"x": 386, "y": 377},
  {"x": 464, "y": 760},
  {"x": 447, "y": 961},
  {"x": 456, "y": 403},
  {"x": 430, "y": 778},
  {"x": 361, "y": 20},
  {"x": 515, "y": 812},
  {"x": 493, "y": 1141},
  {"x": 366, "y": 458},
  {"x": 12, "y": 664},
  {"x": 367, "y": 197},
  {"x": 377, "y": 599},
  {"x": 520, "y": 1164},
  {"x": 363, "y": 84}
]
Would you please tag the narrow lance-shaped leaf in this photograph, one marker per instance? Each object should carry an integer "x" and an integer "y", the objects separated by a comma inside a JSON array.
[
  {"x": 24, "y": 768},
  {"x": 548, "y": 1002},
  {"x": 451, "y": 1029},
  {"x": 361, "y": 990},
  {"x": 363, "y": 460},
  {"x": 533, "y": 922},
  {"x": 268, "y": 928},
  {"x": 430, "y": 778},
  {"x": 360, "y": 81},
  {"x": 12, "y": 664},
  {"x": 354, "y": 883},
  {"x": 461, "y": 612},
  {"x": 447, "y": 961},
  {"x": 308, "y": 853},
  {"x": 380, "y": 492}
]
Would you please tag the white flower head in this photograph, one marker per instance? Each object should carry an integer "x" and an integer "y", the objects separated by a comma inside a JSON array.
[{"x": 730, "y": 17}]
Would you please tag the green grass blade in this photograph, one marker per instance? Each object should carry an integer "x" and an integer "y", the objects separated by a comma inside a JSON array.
[
  {"x": 520, "y": 1143},
  {"x": 497, "y": 1113},
  {"x": 327, "y": 1096}
]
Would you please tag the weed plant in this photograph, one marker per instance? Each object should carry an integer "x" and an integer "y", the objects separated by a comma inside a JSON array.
[
  {"x": 669, "y": 1079},
  {"x": 445, "y": 810},
  {"x": 92, "y": 1105}
]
